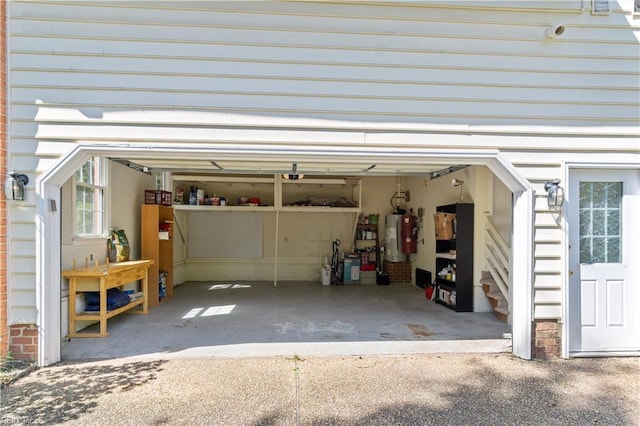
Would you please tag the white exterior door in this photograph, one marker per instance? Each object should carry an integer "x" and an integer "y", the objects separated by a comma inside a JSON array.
[{"x": 604, "y": 238}]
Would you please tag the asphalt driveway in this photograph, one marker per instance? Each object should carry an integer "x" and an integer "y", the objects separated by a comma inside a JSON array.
[{"x": 430, "y": 389}]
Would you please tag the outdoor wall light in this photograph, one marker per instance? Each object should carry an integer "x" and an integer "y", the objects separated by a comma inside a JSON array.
[
  {"x": 554, "y": 31},
  {"x": 555, "y": 193},
  {"x": 14, "y": 186}
]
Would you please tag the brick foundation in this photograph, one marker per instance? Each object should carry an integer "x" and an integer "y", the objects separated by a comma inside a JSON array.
[
  {"x": 546, "y": 339},
  {"x": 399, "y": 272},
  {"x": 24, "y": 341}
]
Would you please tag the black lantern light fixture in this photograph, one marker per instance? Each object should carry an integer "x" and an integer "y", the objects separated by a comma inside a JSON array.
[
  {"x": 555, "y": 193},
  {"x": 14, "y": 186}
]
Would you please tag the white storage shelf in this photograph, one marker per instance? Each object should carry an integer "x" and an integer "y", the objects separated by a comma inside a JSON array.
[{"x": 275, "y": 193}]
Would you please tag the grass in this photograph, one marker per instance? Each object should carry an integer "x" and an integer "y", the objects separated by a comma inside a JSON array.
[{"x": 12, "y": 369}]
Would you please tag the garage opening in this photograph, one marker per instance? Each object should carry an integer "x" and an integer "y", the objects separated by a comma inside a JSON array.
[{"x": 309, "y": 254}]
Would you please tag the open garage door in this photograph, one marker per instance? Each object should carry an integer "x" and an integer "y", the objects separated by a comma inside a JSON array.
[{"x": 393, "y": 163}]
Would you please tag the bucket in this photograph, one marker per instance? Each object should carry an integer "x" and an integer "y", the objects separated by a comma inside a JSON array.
[
  {"x": 429, "y": 292},
  {"x": 325, "y": 272},
  {"x": 373, "y": 219}
]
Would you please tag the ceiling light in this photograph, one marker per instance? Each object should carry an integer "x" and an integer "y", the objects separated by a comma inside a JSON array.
[{"x": 294, "y": 175}]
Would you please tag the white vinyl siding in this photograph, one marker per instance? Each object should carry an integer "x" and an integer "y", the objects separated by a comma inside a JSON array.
[
  {"x": 351, "y": 61},
  {"x": 399, "y": 64},
  {"x": 547, "y": 249}
]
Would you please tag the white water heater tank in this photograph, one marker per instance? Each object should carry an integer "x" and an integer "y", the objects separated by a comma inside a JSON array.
[{"x": 393, "y": 238}]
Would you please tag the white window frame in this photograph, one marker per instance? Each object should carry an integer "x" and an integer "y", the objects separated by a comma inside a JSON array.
[{"x": 100, "y": 185}]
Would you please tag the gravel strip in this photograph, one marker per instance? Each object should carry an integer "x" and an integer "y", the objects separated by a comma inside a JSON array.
[{"x": 374, "y": 390}]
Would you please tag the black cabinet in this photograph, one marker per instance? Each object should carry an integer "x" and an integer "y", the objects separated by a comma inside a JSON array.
[{"x": 455, "y": 290}]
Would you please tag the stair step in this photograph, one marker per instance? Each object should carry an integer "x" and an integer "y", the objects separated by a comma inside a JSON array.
[
  {"x": 502, "y": 314},
  {"x": 504, "y": 311},
  {"x": 486, "y": 275},
  {"x": 496, "y": 295}
]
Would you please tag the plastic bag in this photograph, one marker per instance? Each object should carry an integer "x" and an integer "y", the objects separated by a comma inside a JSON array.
[{"x": 118, "y": 246}]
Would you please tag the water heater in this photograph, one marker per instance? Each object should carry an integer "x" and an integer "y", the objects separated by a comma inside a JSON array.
[{"x": 393, "y": 238}]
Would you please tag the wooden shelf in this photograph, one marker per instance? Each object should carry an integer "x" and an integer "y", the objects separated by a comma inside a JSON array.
[
  {"x": 446, "y": 256},
  {"x": 160, "y": 251},
  {"x": 91, "y": 315}
]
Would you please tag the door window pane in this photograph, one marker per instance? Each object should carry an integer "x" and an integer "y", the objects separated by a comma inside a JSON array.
[{"x": 600, "y": 219}]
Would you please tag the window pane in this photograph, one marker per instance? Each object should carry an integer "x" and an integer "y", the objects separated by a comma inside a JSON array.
[
  {"x": 613, "y": 250},
  {"x": 585, "y": 195},
  {"x": 600, "y": 222},
  {"x": 585, "y": 250},
  {"x": 598, "y": 250},
  {"x": 597, "y": 222},
  {"x": 89, "y": 199},
  {"x": 613, "y": 222},
  {"x": 585, "y": 222}
]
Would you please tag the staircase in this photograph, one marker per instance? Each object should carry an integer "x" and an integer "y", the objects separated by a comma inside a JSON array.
[
  {"x": 495, "y": 297},
  {"x": 496, "y": 279}
]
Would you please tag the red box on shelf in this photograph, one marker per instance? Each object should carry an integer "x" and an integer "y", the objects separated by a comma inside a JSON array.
[{"x": 156, "y": 196}]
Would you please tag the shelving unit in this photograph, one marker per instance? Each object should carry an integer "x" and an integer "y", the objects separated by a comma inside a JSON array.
[
  {"x": 456, "y": 294},
  {"x": 367, "y": 239},
  {"x": 157, "y": 249},
  {"x": 275, "y": 193}
]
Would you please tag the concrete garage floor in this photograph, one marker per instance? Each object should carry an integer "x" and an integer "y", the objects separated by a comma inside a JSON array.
[{"x": 303, "y": 318}]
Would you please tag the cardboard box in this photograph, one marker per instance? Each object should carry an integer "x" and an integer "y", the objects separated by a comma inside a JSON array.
[{"x": 444, "y": 225}]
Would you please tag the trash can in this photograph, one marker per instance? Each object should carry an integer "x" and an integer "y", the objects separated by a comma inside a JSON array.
[{"x": 325, "y": 272}]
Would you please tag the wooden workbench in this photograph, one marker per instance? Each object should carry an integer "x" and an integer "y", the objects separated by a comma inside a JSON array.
[{"x": 101, "y": 278}]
